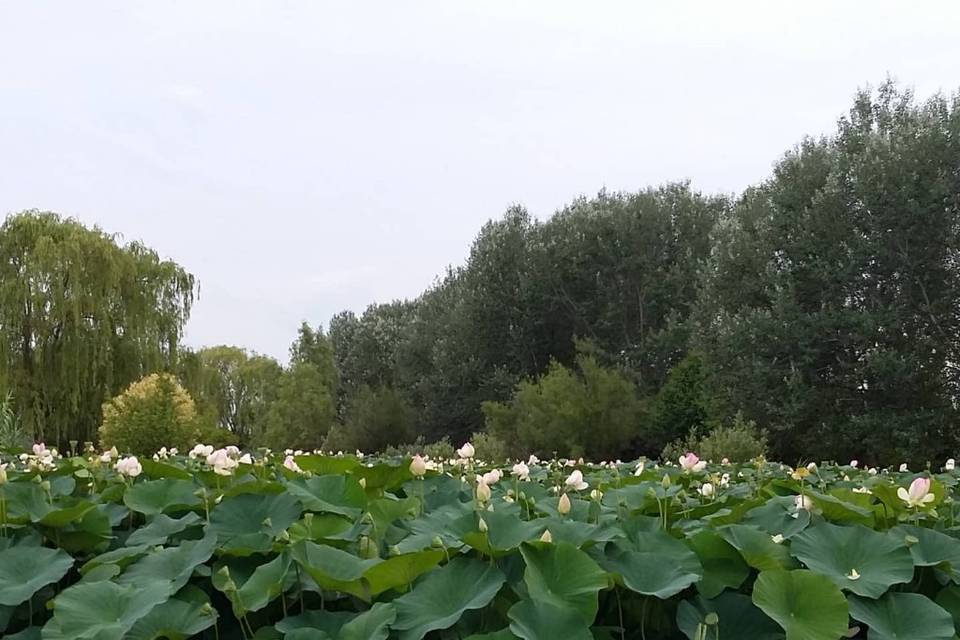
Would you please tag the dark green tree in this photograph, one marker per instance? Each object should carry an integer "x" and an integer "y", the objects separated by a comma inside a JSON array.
[
  {"x": 592, "y": 411},
  {"x": 831, "y": 307}
]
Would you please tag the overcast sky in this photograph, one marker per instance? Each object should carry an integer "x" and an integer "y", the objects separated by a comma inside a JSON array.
[{"x": 301, "y": 158}]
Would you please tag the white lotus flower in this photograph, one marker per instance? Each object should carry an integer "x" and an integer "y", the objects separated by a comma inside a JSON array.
[
  {"x": 466, "y": 451},
  {"x": 292, "y": 465},
  {"x": 200, "y": 451},
  {"x": 918, "y": 494},
  {"x": 418, "y": 466},
  {"x": 576, "y": 481},
  {"x": 706, "y": 490},
  {"x": 520, "y": 471},
  {"x": 129, "y": 467}
]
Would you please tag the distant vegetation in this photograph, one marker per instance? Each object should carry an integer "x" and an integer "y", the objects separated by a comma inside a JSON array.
[{"x": 820, "y": 308}]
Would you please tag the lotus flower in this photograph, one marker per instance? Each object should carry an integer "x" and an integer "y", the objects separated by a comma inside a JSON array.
[
  {"x": 418, "y": 466},
  {"x": 246, "y": 459},
  {"x": 291, "y": 464},
  {"x": 466, "y": 451},
  {"x": 483, "y": 492},
  {"x": 491, "y": 477},
  {"x": 222, "y": 463},
  {"x": 520, "y": 471},
  {"x": 129, "y": 467},
  {"x": 39, "y": 449},
  {"x": 597, "y": 495},
  {"x": 107, "y": 456},
  {"x": 854, "y": 463},
  {"x": 803, "y": 503},
  {"x": 918, "y": 494},
  {"x": 690, "y": 462},
  {"x": 706, "y": 490},
  {"x": 533, "y": 459},
  {"x": 201, "y": 451},
  {"x": 951, "y": 465},
  {"x": 563, "y": 505},
  {"x": 575, "y": 481},
  {"x": 903, "y": 468},
  {"x": 640, "y": 467}
]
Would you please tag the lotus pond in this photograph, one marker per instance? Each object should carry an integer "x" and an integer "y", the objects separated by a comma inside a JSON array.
[{"x": 215, "y": 544}]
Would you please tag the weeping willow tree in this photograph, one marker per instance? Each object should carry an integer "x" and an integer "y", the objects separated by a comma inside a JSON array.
[{"x": 81, "y": 317}]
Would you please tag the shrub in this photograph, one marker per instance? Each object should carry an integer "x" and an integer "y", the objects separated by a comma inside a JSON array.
[
  {"x": 376, "y": 419},
  {"x": 489, "y": 447},
  {"x": 156, "y": 411},
  {"x": 439, "y": 450},
  {"x": 591, "y": 412},
  {"x": 738, "y": 442}
]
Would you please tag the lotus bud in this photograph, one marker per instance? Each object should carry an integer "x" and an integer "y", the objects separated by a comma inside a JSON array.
[
  {"x": 563, "y": 505},
  {"x": 418, "y": 466},
  {"x": 546, "y": 537}
]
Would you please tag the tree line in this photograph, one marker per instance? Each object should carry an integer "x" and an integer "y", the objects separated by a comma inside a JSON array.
[{"x": 821, "y": 306}]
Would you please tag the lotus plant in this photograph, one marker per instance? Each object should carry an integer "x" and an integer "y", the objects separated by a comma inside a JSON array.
[{"x": 918, "y": 495}]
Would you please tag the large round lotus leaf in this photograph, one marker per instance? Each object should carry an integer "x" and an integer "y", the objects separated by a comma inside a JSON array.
[
  {"x": 172, "y": 566},
  {"x": 373, "y": 624},
  {"x": 838, "y": 509},
  {"x": 158, "y": 530},
  {"x": 332, "y": 568},
  {"x": 564, "y": 576},
  {"x": 806, "y": 605},
  {"x": 441, "y": 597},
  {"x": 779, "y": 516},
  {"x": 902, "y": 616},
  {"x": 401, "y": 570},
  {"x": 723, "y": 566},
  {"x": 539, "y": 620},
  {"x": 736, "y": 617},
  {"x": 157, "y": 496},
  {"x": 757, "y": 547},
  {"x": 101, "y": 610},
  {"x": 248, "y": 523},
  {"x": 329, "y": 494},
  {"x": 857, "y": 559},
  {"x": 122, "y": 557},
  {"x": 179, "y": 618},
  {"x": 656, "y": 564},
  {"x": 949, "y": 599},
  {"x": 23, "y": 572},
  {"x": 931, "y": 548},
  {"x": 328, "y": 622},
  {"x": 254, "y": 591}
]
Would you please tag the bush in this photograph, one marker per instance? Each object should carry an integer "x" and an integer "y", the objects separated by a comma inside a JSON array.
[
  {"x": 156, "y": 411},
  {"x": 592, "y": 412},
  {"x": 376, "y": 419},
  {"x": 738, "y": 442},
  {"x": 679, "y": 407},
  {"x": 439, "y": 450},
  {"x": 489, "y": 447}
]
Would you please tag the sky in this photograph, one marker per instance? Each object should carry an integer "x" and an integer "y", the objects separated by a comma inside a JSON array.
[{"x": 302, "y": 158}]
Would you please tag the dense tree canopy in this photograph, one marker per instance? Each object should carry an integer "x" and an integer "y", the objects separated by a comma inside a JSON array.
[{"x": 821, "y": 306}]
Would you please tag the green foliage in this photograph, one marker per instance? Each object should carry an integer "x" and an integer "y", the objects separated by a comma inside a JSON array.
[
  {"x": 489, "y": 447},
  {"x": 376, "y": 419},
  {"x": 831, "y": 306},
  {"x": 81, "y": 317},
  {"x": 680, "y": 407},
  {"x": 303, "y": 411},
  {"x": 361, "y": 550},
  {"x": 591, "y": 412},
  {"x": 12, "y": 435},
  {"x": 151, "y": 413},
  {"x": 233, "y": 388},
  {"x": 440, "y": 450},
  {"x": 738, "y": 441}
]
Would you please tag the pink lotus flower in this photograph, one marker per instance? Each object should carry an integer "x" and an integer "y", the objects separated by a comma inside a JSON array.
[
  {"x": 690, "y": 462},
  {"x": 918, "y": 494}
]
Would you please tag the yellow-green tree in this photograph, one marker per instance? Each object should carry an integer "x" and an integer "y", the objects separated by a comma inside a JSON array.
[{"x": 153, "y": 412}]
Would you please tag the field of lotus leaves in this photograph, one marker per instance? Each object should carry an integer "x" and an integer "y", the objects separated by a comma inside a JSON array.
[{"x": 220, "y": 544}]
